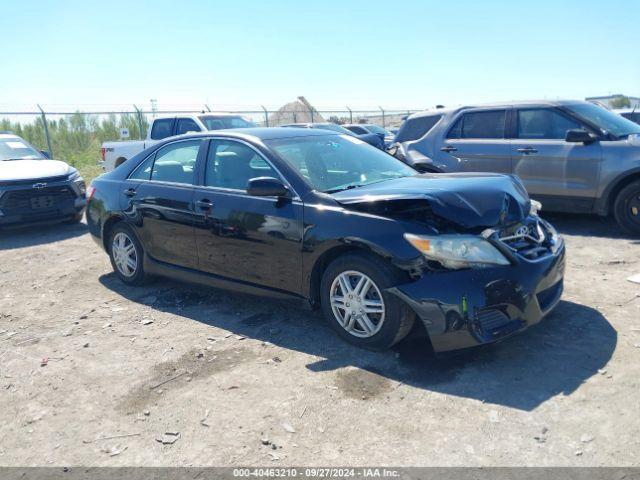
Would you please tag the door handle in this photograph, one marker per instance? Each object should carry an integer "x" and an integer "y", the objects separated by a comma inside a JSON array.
[
  {"x": 204, "y": 204},
  {"x": 528, "y": 150},
  {"x": 130, "y": 192},
  {"x": 448, "y": 149}
]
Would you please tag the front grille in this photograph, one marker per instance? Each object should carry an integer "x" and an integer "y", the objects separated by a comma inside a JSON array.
[
  {"x": 31, "y": 181},
  {"x": 36, "y": 199},
  {"x": 529, "y": 240}
]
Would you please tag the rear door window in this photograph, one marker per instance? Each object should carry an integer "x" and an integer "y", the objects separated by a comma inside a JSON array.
[
  {"x": 415, "y": 128},
  {"x": 186, "y": 125},
  {"x": 485, "y": 124},
  {"x": 175, "y": 163},
  {"x": 543, "y": 124},
  {"x": 162, "y": 128}
]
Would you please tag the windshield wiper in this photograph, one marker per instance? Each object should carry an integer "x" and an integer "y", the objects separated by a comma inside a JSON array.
[{"x": 346, "y": 187}]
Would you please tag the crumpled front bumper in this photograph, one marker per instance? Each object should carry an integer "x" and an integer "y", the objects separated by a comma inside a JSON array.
[{"x": 466, "y": 308}]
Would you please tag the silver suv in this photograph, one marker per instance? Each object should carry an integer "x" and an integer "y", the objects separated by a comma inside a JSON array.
[{"x": 572, "y": 156}]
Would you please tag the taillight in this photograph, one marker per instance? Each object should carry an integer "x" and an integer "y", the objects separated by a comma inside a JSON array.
[
  {"x": 102, "y": 153},
  {"x": 90, "y": 191}
]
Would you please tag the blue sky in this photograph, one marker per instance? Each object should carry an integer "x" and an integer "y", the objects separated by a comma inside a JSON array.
[{"x": 359, "y": 53}]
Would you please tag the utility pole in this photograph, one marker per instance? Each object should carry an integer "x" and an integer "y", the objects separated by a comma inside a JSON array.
[{"x": 46, "y": 130}]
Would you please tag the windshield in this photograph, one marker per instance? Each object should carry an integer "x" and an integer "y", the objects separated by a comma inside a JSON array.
[
  {"x": 604, "y": 119},
  {"x": 213, "y": 122},
  {"x": 338, "y": 162},
  {"x": 333, "y": 127},
  {"x": 377, "y": 129},
  {"x": 17, "y": 149}
]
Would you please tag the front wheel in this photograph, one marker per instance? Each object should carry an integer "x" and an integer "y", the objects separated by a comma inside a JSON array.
[
  {"x": 627, "y": 208},
  {"x": 356, "y": 305},
  {"x": 126, "y": 255}
]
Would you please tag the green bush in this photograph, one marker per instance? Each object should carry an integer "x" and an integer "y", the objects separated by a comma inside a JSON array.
[{"x": 76, "y": 139}]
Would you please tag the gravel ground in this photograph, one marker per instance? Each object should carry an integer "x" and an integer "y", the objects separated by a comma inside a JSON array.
[{"x": 93, "y": 373}]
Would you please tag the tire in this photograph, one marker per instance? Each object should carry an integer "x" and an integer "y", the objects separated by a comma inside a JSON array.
[
  {"x": 626, "y": 208},
  {"x": 389, "y": 321},
  {"x": 124, "y": 245}
]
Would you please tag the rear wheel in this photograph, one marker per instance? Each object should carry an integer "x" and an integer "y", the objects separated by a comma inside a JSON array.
[
  {"x": 355, "y": 303},
  {"x": 627, "y": 208},
  {"x": 126, "y": 255}
]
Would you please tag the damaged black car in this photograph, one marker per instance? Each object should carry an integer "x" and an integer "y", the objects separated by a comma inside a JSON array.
[{"x": 327, "y": 219}]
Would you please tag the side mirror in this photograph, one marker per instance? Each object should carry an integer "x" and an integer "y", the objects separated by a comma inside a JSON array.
[
  {"x": 267, "y": 187},
  {"x": 45, "y": 153},
  {"x": 579, "y": 136}
]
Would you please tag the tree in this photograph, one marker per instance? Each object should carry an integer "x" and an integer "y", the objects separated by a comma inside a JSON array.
[{"x": 620, "y": 101}]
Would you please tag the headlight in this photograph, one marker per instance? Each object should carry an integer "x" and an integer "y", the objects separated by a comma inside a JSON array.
[
  {"x": 555, "y": 239},
  {"x": 457, "y": 251},
  {"x": 75, "y": 177},
  {"x": 535, "y": 207}
]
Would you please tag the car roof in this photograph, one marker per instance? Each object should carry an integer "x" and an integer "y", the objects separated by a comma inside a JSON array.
[
  {"x": 261, "y": 133},
  {"x": 197, "y": 114},
  {"x": 8, "y": 136},
  {"x": 513, "y": 103}
]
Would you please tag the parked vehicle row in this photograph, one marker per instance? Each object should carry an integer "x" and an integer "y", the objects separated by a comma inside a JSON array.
[
  {"x": 572, "y": 156},
  {"x": 35, "y": 189},
  {"x": 115, "y": 153},
  {"x": 371, "y": 138},
  {"x": 324, "y": 218},
  {"x": 385, "y": 135}
]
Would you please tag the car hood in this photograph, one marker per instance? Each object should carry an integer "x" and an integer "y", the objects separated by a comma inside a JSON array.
[
  {"x": 467, "y": 200},
  {"x": 32, "y": 169}
]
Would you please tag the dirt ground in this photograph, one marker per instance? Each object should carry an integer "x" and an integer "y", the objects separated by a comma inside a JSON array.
[{"x": 93, "y": 373}]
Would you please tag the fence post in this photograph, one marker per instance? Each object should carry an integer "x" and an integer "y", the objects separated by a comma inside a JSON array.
[
  {"x": 139, "y": 122},
  {"x": 350, "y": 115},
  {"x": 266, "y": 116},
  {"x": 46, "y": 131},
  {"x": 384, "y": 125}
]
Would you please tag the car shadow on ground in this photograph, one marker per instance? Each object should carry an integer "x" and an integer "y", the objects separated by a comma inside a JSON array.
[
  {"x": 552, "y": 358},
  {"x": 29, "y": 236},
  {"x": 587, "y": 225}
]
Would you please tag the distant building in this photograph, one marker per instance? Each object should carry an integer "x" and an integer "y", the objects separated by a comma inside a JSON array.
[{"x": 606, "y": 100}]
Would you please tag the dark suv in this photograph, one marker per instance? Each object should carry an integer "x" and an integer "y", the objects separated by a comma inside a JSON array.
[
  {"x": 573, "y": 156},
  {"x": 321, "y": 217}
]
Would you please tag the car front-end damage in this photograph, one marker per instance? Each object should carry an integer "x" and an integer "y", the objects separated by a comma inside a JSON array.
[{"x": 486, "y": 266}]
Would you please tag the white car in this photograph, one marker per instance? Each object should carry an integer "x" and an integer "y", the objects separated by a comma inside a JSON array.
[
  {"x": 34, "y": 188},
  {"x": 115, "y": 154}
]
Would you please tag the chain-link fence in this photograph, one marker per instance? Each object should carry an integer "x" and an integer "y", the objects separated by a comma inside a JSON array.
[{"x": 76, "y": 136}]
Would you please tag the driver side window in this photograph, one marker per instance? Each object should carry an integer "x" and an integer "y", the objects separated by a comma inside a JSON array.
[
  {"x": 544, "y": 124},
  {"x": 231, "y": 165}
]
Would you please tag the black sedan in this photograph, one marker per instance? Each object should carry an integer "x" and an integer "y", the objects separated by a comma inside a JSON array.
[{"x": 330, "y": 220}]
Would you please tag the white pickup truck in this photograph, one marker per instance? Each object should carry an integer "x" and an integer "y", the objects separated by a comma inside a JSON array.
[{"x": 115, "y": 153}]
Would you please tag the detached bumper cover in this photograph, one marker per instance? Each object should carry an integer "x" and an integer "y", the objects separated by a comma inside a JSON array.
[{"x": 466, "y": 308}]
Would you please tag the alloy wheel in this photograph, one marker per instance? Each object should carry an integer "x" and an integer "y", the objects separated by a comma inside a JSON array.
[
  {"x": 634, "y": 208},
  {"x": 124, "y": 254},
  {"x": 357, "y": 304}
]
